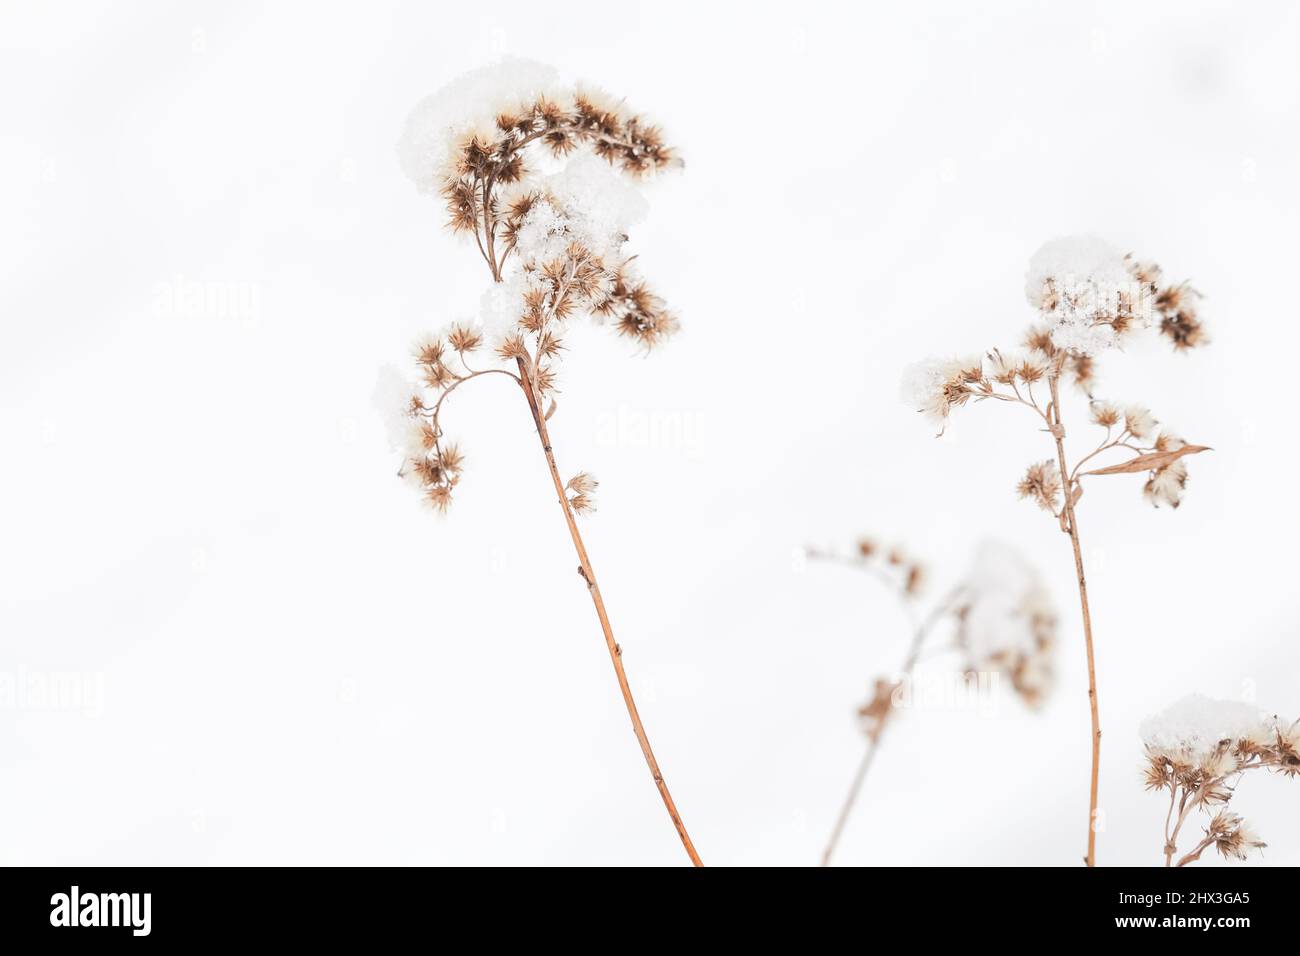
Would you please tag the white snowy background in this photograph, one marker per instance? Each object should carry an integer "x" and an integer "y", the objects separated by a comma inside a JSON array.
[{"x": 208, "y": 251}]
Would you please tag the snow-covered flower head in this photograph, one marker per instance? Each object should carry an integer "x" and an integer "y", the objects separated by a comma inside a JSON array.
[
  {"x": 1086, "y": 294},
  {"x": 441, "y": 124},
  {"x": 936, "y": 386},
  {"x": 1199, "y": 750},
  {"x": 1192, "y": 730},
  {"x": 539, "y": 175},
  {"x": 1007, "y": 621}
]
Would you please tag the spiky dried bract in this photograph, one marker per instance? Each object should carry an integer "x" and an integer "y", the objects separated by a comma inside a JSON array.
[
  {"x": 1175, "y": 306},
  {"x": 1105, "y": 414},
  {"x": 1042, "y": 484},
  {"x": 1139, "y": 422},
  {"x": 937, "y": 386},
  {"x": 1167, "y": 484},
  {"x": 582, "y": 483},
  {"x": 1232, "y": 837},
  {"x": 464, "y": 338},
  {"x": 582, "y": 487},
  {"x": 1200, "y": 749}
]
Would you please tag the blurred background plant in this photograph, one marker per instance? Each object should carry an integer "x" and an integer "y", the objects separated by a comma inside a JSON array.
[{"x": 999, "y": 620}]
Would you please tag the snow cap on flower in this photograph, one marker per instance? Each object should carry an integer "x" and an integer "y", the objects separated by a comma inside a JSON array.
[
  {"x": 1085, "y": 291},
  {"x": 1191, "y": 730},
  {"x": 467, "y": 105},
  {"x": 396, "y": 398},
  {"x": 936, "y": 386}
]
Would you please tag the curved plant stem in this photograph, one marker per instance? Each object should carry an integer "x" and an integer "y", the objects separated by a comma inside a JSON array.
[
  {"x": 1072, "y": 527},
  {"x": 615, "y": 652},
  {"x": 487, "y": 246},
  {"x": 873, "y": 742},
  {"x": 868, "y": 757}
]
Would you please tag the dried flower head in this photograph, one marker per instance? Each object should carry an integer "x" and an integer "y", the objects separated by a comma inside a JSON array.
[
  {"x": 1199, "y": 749},
  {"x": 554, "y": 241},
  {"x": 1232, "y": 837},
  {"x": 1092, "y": 297},
  {"x": 582, "y": 488},
  {"x": 935, "y": 387},
  {"x": 1042, "y": 483}
]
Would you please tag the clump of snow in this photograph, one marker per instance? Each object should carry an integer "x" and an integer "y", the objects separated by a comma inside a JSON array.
[
  {"x": 392, "y": 399},
  {"x": 1005, "y": 595},
  {"x": 588, "y": 202},
  {"x": 1194, "y": 726},
  {"x": 501, "y": 306},
  {"x": 1077, "y": 281},
  {"x": 921, "y": 380},
  {"x": 468, "y": 103}
]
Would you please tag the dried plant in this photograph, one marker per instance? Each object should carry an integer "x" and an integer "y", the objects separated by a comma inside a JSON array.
[
  {"x": 1090, "y": 299},
  {"x": 1199, "y": 750},
  {"x": 554, "y": 248},
  {"x": 1002, "y": 621}
]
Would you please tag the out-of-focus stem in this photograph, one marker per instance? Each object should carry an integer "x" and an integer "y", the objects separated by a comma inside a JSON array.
[{"x": 873, "y": 743}]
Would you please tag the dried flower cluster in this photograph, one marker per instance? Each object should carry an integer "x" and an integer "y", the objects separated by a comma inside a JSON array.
[
  {"x": 1002, "y": 619},
  {"x": 1089, "y": 298},
  {"x": 1198, "y": 750},
  {"x": 553, "y": 243}
]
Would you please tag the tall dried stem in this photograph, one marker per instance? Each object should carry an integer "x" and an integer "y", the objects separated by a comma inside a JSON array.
[
  {"x": 615, "y": 652},
  {"x": 567, "y": 262},
  {"x": 1071, "y": 526}
]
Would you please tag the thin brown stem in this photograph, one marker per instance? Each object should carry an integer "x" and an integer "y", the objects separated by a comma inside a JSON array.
[
  {"x": 489, "y": 231},
  {"x": 868, "y": 757},
  {"x": 525, "y": 380},
  {"x": 1072, "y": 527},
  {"x": 1169, "y": 815},
  {"x": 615, "y": 652},
  {"x": 1195, "y": 855}
]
